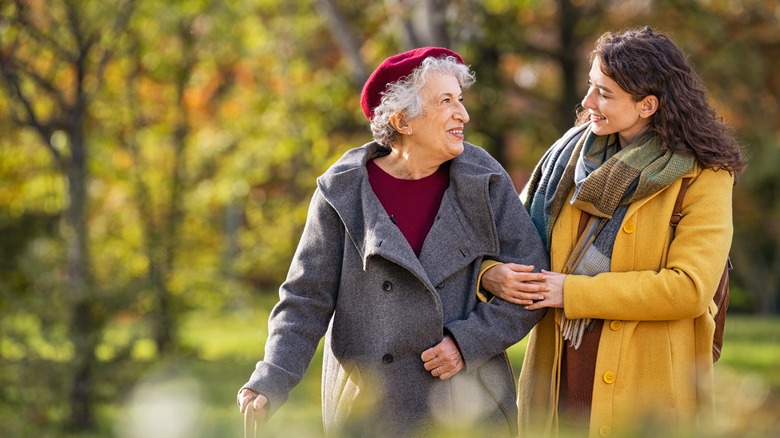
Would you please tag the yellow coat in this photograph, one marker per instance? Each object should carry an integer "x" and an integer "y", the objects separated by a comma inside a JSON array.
[{"x": 654, "y": 367}]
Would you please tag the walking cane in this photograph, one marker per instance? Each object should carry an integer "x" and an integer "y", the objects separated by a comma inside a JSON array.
[{"x": 250, "y": 423}]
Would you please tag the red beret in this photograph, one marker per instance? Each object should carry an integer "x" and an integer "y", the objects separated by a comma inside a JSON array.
[{"x": 393, "y": 69}]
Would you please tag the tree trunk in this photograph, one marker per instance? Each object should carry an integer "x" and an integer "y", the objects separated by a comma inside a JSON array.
[
  {"x": 568, "y": 18},
  {"x": 83, "y": 325}
]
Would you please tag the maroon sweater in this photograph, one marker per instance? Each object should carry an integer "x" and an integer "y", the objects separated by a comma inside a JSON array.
[{"x": 412, "y": 204}]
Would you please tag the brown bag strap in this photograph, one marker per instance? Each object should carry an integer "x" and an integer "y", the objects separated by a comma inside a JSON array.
[
  {"x": 721, "y": 297},
  {"x": 677, "y": 213}
]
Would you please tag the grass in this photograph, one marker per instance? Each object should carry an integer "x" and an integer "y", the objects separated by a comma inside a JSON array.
[
  {"x": 194, "y": 395},
  {"x": 747, "y": 375}
]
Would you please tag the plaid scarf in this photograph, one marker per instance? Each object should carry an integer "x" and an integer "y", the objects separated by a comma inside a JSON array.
[{"x": 606, "y": 179}]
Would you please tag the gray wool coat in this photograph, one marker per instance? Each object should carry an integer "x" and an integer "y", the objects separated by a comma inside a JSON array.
[{"x": 355, "y": 280}]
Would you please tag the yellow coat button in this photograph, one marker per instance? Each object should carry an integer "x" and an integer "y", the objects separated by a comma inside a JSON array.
[
  {"x": 609, "y": 377},
  {"x": 616, "y": 325},
  {"x": 629, "y": 227},
  {"x": 605, "y": 431}
]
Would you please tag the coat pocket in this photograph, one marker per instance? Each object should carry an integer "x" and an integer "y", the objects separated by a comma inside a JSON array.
[
  {"x": 346, "y": 401},
  {"x": 465, "y": 403},
  {"x": 349, "y": 390}
]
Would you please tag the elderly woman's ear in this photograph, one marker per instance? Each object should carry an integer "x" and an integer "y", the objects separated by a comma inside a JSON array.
[{"x": 400, "y": 124}]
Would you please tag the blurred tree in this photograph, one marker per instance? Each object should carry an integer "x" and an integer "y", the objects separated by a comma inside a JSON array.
[
  {"x": 303, "y": 112},
  {"x": 735, "y": 47},
  {"x": 52, "y": 59},
  {"x": 174, "y": 78},
  {"x": 179, "y": 143}
]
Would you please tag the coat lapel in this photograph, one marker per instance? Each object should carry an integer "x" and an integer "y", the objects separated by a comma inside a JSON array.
[
  {"x": 449, "y": 245},
  {"x": 464, "y": 212},
  {"x": 347, "y": 189}
]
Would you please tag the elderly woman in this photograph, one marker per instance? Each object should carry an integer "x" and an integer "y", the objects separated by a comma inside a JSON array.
[
  {"x": 627, "y": 347},
  {"x": 387, "y": 269}
]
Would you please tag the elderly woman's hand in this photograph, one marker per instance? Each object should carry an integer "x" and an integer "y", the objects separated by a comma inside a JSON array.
[
  {"x": 443, "y": 360},
  {"x": 515, "y": 283},
  {"x": 248, "y": 399}
]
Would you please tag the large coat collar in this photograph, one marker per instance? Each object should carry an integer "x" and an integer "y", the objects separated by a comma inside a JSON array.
[{"x": 464, "y": 214}]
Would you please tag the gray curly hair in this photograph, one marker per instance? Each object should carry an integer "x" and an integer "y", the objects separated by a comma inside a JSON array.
[{"x": 403, "y": 96}]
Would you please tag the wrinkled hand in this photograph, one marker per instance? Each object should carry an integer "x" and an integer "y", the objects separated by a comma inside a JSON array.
[
  {"x": 515, "y": 283},
  {"x": 248, "y": 399},
  {"x": 443, "y": 360},
  {"x": 554, "y": 296}
]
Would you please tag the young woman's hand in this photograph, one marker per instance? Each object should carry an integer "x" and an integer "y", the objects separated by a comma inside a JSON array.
[{"x": 553, "y": 297}]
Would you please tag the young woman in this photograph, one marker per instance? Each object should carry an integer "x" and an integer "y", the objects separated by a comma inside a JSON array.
[{"x": 626, "y": 347}]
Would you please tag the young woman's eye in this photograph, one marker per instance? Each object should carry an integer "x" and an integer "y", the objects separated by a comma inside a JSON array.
[{"x": 599, "y": 93}]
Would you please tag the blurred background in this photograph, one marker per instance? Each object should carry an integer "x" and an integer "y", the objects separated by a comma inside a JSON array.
[{"x": 157, "y": 159}]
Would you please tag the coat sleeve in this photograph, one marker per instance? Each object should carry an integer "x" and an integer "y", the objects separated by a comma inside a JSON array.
[
  {"x": 306, "y": 303},
  {"x": 494, "y": 326},
  {"x": 683, "y": 287}
]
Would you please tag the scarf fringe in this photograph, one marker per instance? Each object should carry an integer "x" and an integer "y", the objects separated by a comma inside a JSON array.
[{"x": 573, "y": 330}]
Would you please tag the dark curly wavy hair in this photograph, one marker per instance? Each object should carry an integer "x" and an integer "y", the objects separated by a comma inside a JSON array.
[{"x": 643, "y": 62}]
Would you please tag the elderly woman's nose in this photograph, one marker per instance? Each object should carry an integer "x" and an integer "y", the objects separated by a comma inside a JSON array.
[{"x": 462, "y": 114}]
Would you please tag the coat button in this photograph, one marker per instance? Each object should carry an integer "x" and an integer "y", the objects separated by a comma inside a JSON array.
[
  {"x": 388, "y": 358},
  {"x": 609, "y": 377},
  {"x": 629, "y": 227},
  {"x": 616, "y": 325},
  {"x": 387, "y": 286},
  {"x": 440, "y": 285},
  {"x": 605, "y": 431}
]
